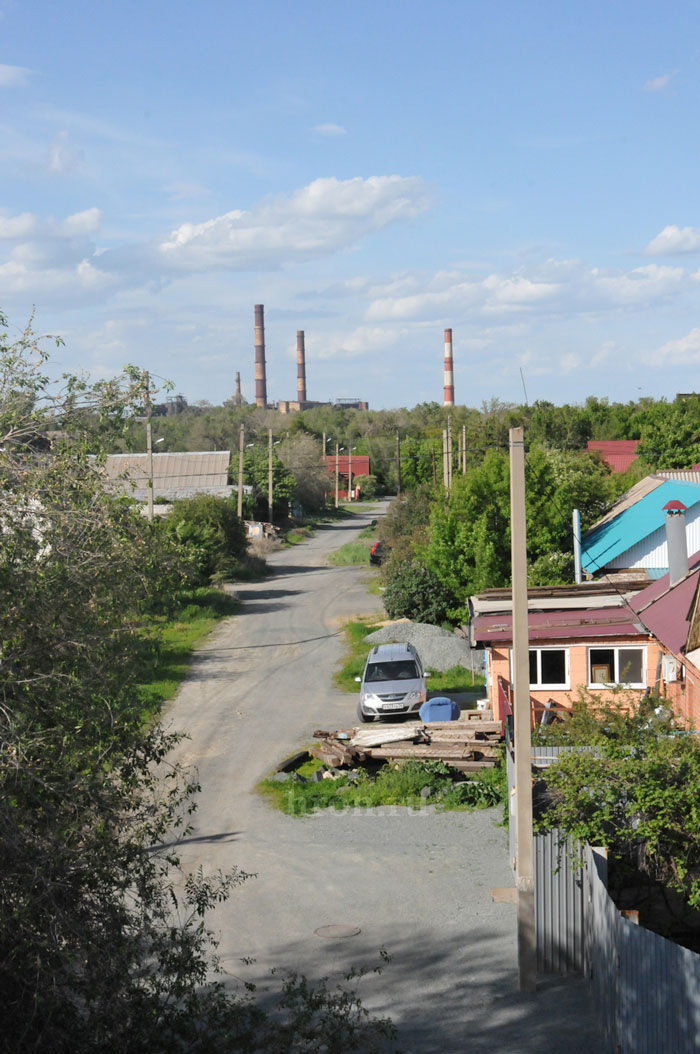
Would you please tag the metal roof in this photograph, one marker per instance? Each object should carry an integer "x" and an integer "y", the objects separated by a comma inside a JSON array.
[
  {"x": 584, "y": 596},
  {"x": 617, "y": 453},
  {"x": 174, "y": 474},
  {"x": 559, "y": 625},
  {"x": 612, "y": 537},
  {"x": 667, "y": 610}
]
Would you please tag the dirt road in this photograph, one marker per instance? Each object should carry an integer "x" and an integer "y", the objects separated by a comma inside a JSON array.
[{"x": 415, "y": 883}]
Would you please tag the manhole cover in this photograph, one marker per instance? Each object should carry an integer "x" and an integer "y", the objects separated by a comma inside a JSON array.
[{"x": 337, "y": 931}]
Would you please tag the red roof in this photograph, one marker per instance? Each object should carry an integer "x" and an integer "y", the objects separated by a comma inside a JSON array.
[
  {"x": 360, "y": 464},
  {"x": 667, "y": 611},
  {"x": 617, "y": 453},
  {"x": 560, "y": 625}
]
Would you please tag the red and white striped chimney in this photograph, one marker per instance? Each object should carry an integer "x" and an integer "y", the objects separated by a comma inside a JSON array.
[
  {"x": 449, "y": 397},
  {"x": 260, "y": 375},
  {"x": 301, "y": 367}
]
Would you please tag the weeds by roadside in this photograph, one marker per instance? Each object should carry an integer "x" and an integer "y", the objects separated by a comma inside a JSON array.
[{"x": 411, "y": 784}]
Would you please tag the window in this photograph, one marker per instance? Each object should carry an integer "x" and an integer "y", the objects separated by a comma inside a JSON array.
[
  {"x": 616, "y": 666},
  {"x": 549, "y": 668}
]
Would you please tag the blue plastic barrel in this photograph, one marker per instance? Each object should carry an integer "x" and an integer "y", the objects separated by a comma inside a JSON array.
[{"x": 439, "y": 709}]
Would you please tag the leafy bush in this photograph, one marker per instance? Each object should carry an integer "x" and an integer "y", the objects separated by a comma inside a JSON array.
[
  {"x": 412, "y": 591},
  {"x": 212, "y": 538}
]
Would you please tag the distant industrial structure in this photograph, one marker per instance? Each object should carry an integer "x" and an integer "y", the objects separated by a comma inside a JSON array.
[
  {"x": 285, "y": 406},
  {"x": 449, "y": 384}
]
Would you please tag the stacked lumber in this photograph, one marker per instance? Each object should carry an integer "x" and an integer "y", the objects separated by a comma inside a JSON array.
[{"x": 468, "y": 745}]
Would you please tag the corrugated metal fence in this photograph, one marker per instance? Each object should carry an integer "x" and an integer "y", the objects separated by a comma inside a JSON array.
[{"x": 646, "y": 989}]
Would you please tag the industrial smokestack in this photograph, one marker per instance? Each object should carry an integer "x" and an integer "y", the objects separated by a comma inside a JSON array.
[
  {"x": 238, "y": 398},
  {"x": 260, "y": 375},
  {"x": 301, "y": 367},
  {"x": 449, "y": 397}
]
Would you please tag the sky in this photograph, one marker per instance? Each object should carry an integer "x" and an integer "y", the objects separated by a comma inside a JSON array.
[{"x": 524, "y": 172}]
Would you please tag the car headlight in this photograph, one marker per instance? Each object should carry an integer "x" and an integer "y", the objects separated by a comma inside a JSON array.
[
  {"x": 369, "y": 698},
  {"x": 413, "y": 696}
]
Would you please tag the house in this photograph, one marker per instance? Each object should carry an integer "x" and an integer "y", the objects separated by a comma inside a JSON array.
[
  {"x": 347, "y": 466},
  {"x": 585, "y": 636},
  {"x": 601, "y": 636},
  {"x": 617, "y": 453},
  {"x": 631, "y": 536}
]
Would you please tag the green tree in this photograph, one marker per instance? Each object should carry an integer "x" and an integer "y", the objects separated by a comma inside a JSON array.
[{"x": 210, "y": 535}]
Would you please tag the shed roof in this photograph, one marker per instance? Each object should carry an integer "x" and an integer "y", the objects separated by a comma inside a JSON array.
[
  {"x": 180, "y": 474},
  {"x": 612, "y": 537}
]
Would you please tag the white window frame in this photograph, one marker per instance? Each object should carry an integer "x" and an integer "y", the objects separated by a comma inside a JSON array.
[
  {"x": 617, "y": 648},
  {"x": 537, "y": 685}
]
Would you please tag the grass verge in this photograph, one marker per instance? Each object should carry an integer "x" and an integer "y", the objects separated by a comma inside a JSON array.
[
  {"x": 168, "y": 643},
  {"x": 457, "y": 679},
  {"x": 412, "y": 784},
  {"x": 352, "y": 553}
]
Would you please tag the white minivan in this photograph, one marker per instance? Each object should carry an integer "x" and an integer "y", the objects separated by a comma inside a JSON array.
[{"x": 393, "y": 683}]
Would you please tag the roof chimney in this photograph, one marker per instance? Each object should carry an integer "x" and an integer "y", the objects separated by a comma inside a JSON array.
[
  {"x": 449, "y": 391},
  {"x": 238, "y": 398},
  {"x": 301, "y": 367},
  {"x": 676, "y": 542},
  {"x": 260, "y": 376}
]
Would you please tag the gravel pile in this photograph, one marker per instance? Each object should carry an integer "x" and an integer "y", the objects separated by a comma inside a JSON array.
[{"x": 438, "y": 648}]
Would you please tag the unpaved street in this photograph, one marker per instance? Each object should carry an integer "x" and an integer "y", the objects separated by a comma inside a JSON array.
[{"x": 415, "y": 883}]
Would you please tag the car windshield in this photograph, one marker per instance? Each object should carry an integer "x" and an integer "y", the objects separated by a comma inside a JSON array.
[{"x": 402, "y": 670}]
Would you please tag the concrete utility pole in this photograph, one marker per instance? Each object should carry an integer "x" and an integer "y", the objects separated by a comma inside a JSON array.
[
  {"x": 269, "y": 473},
  {"x": 149, "y": 447},
  {"x": 524, "y": 874},
  {"x": 398, "y": 463},
  {"x": 449, "y": 451},
  {"x": 350, "y": 474},
  {"x": 241, "y": 449},
  {"x": 464, "y": 449},
  {"x": 336, "y": 476}
]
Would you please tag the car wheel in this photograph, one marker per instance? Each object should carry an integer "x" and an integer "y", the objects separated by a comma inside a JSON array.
[{"x": 362, "y": 716}]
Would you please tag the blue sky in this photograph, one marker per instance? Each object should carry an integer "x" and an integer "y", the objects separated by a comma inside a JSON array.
[{"x": 523, "y": 172}]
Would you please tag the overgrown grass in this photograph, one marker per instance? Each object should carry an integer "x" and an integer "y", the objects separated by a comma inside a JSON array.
[
  {"x": 456, "y": 679},
  {"x": 168, "y": 643},
  {"x": 352, "y": 553},
  {"x": 394, "y": 784}
]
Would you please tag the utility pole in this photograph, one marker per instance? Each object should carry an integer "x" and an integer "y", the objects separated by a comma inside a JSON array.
[
  {"x": 445, "y": 474},
  {"x": 350, "y": 474},
  {"x": 336, "y": 475},
  {"x": 432, "y": 458},
  {"x": 449, "y": 452},
  {"x": 241, "y": 448},
  {"x": 464, "y": 449},
  {"x": 398, "y": 463},
  {"x": 149, "y": 447},
  {"x": 269, "y": 473},
  {"x": 524, "y": 872}
]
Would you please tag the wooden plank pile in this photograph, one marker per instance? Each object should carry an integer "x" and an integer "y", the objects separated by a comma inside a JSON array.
[{"x": 468, "y": 744}]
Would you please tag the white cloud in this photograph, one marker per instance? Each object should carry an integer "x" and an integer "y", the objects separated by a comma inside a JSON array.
[
  {"x": 14, "y": 76},
  {"x": 63, "y": 157},
  {"x": 685, "y": 351},
  {"x": 82, "y": 223},
  {"x": 16, "y": 227},
  {"x": 660, "y": 83},
  {"x": 556, "y": 287},
  {"x": 674, "y": 240},
  {"x": 329, "y": 130},
  {"x": 316, "y": 220}
]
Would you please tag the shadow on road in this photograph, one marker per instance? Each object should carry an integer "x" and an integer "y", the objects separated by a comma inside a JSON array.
[
  {"x": 455, "y": 994},
  {"x": 224, "y": 837},
  {"x": 265, "y": 594}
]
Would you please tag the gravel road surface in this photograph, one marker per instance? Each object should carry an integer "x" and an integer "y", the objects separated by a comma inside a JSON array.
[{"x": 415, "y": 883}]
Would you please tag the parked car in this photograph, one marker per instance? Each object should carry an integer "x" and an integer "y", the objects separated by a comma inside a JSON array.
[
  {"x": 393, "y": 682},
  {"x": 376, "y": 553}
]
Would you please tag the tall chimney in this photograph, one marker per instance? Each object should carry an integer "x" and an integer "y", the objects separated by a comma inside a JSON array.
[
  {"x": 301, "y": 367},
  {"x": 676, "y": 542},
  {"x": 238, "y": 398},
  {"x": 260, "y": 376},
  {"x": 449, "y": 399}
]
